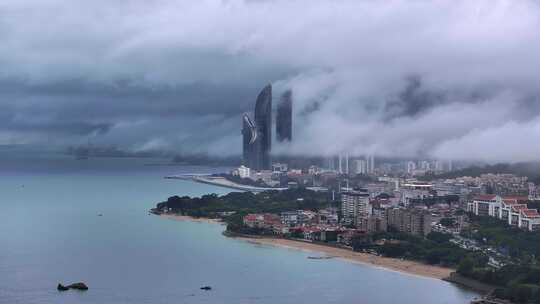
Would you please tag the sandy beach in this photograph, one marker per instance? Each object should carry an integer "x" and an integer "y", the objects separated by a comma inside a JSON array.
[{"x": 405, "y": 266}]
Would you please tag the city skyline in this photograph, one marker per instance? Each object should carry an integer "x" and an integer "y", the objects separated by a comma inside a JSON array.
[
  {"x": 256, "y": 151},
  {"x": 155, "y": 86}
]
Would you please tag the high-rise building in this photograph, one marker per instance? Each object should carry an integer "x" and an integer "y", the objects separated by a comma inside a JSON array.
[
  {"x": 416, "y": 222},
  {"x": 361, "y": 166},
  {"x": 347, "y": 163},
  {"x": 343, "y": 163},
  {"x": 354, "y": 204},
  {"x": 284, "y": 117},
  {"x": 257, "y": 134},
  {"x": 263, "y": 121},
  {"x": 370, "y": 160}
]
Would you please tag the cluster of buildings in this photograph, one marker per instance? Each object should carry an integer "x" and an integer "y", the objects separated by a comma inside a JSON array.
[
  {"x": 391, "y": 196},
  {"x": 499, "y": 184},
  {"x": 359, "y": 210},
  {"x": 316, "y": 226},
  {"x": 359, "y": 214},
  {"x": 422, "y": 167},
  {"x": 344, "y": 164}
]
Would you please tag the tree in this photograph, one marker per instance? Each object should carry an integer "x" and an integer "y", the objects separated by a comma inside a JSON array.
[
  {"x": 465, "y": 266},
  {"x": 448, "y": 222},
  {"x": 439, "y": 237}
]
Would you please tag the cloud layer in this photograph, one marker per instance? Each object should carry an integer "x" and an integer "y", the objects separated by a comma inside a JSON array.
[{"x": 444, "y": 79}]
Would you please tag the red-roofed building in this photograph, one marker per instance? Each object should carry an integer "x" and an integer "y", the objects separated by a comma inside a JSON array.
[
  {"x": 257, "y": 220},
  {"x": 254, "y": 220},
  {"x": 529, "y": 219},
  {"x": 510, "y": 209}
]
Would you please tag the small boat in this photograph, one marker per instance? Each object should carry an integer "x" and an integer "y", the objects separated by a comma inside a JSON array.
[{"x": 319, "y": 257}]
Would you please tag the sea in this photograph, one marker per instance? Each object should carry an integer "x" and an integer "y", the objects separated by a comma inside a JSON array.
[{"x": 64, "y": 220}]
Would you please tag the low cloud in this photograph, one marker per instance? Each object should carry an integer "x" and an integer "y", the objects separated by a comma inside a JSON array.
[{"x": 445, "y": 79}]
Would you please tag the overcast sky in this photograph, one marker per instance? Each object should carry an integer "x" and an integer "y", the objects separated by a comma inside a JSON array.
[{"x": 441, "y": 79}]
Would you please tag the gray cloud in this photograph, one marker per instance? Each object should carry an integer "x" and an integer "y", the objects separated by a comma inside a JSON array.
[{"x": 449, "y": 79}]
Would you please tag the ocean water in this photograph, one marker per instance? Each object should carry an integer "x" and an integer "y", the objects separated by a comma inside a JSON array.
[{"x": 50, "y": 232}]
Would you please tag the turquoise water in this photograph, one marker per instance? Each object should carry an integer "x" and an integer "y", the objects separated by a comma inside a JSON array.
[{"x": 50, "y": 232}]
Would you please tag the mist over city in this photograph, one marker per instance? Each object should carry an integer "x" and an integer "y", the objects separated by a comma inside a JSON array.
[
  {"x": 442, "y": 80},
  {"x": 270, "y": 151}
]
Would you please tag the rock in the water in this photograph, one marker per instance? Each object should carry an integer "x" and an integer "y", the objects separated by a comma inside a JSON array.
[
  {"x": 79, "y": 286},
  {"x": 206, "y": 288}
]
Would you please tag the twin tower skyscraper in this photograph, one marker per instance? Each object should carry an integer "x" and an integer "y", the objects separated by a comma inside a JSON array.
[{"x": 257, "y": 133}]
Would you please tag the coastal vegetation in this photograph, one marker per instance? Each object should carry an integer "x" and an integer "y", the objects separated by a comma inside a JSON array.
[
  {"x": 435, "y": 249},
  {"x": 233, "y": 206},
  {"x": 517, "y": 279}
]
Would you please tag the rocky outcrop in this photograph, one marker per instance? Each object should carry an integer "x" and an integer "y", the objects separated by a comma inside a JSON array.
[{"x": 78, "y": 286}]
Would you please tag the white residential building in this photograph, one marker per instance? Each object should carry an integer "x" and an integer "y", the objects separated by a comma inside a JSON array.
[
  {"x": 410, "y": 191},
  {"x": 353, "y": 205},
  {"x": 244, "y": 172},
  {"x": 510, "y": 209}
]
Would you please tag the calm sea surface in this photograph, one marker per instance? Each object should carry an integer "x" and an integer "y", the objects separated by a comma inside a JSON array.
[{"x": 50, "y": 232}]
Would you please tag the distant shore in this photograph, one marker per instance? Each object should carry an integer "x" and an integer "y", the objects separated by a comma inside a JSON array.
[
  {"x": 220, "y": 182},
  {"x": 225, "y": 183},
  {"x": 400, "y": 265}
]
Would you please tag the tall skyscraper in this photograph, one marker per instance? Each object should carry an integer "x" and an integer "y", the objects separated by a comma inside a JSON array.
[
  {"x": 263, "y": 121},
  {"x": 257, "y": 134},
  {"x": 284, "y": 117}
]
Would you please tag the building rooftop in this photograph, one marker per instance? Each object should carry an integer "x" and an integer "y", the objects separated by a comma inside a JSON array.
[
  {"x": 517, "y": 198},
  {"x": 530, "y": 213},
  {"x": 519, "y": 207},
  {"x": 485, "y": 197}
]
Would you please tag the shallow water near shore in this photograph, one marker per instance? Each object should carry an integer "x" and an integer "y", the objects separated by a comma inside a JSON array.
[{"x": 51, "y": 232}]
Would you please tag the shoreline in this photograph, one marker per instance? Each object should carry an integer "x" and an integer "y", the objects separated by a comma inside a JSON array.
[
  {"x": 394, "y": 264},
  {"x": 178, "y": 217},
  {"x": 402, "y": 266}
]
